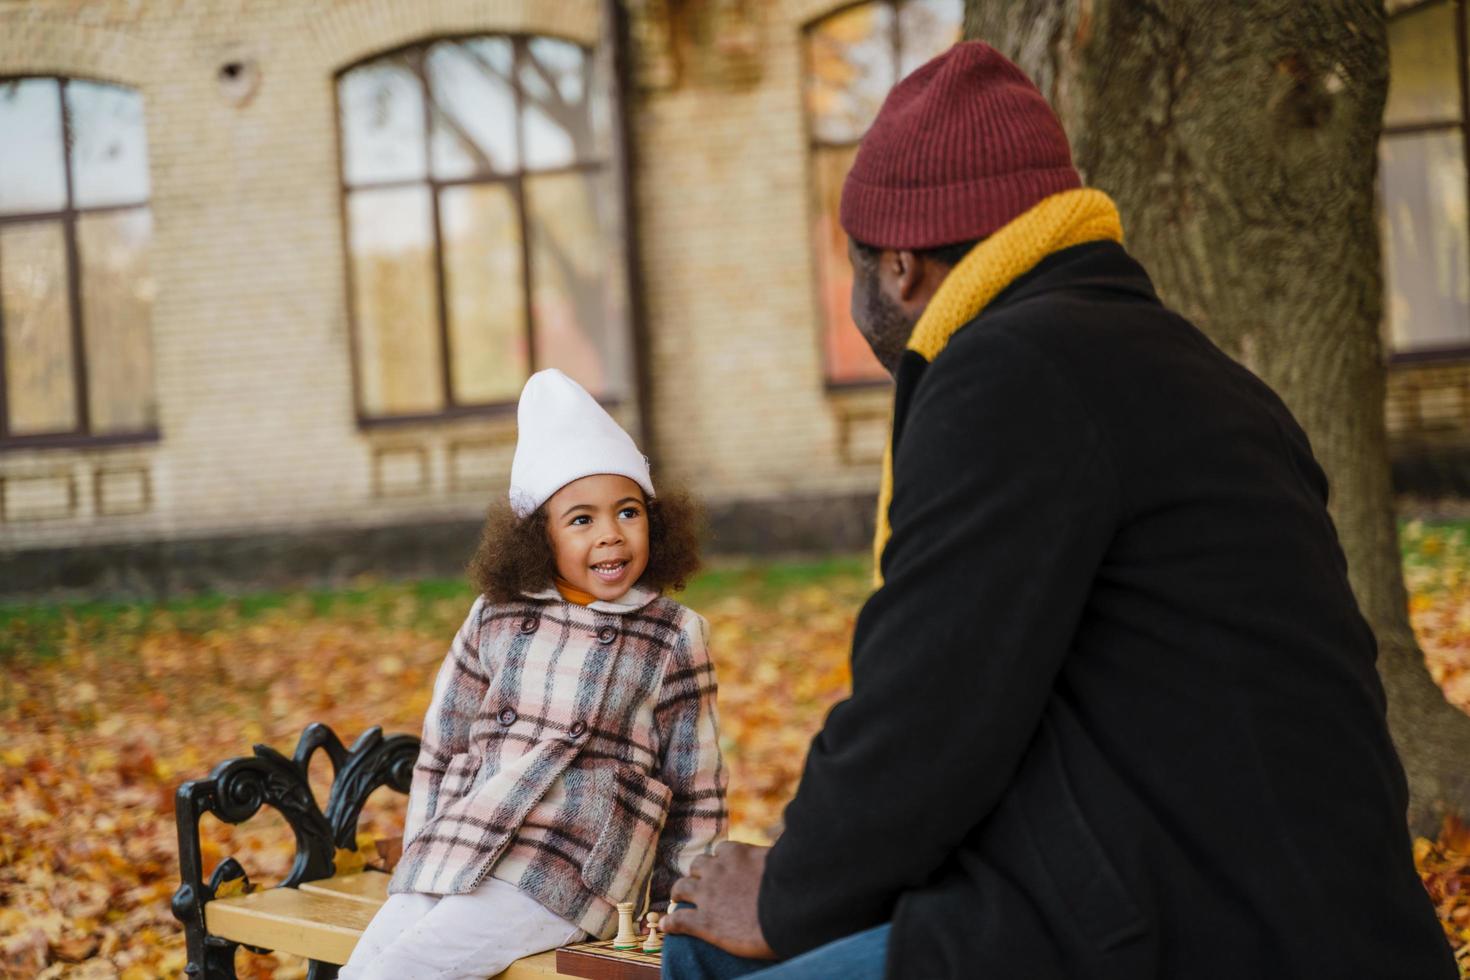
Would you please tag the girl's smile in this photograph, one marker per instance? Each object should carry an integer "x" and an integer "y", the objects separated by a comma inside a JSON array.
[
  {"x": 599, "y": 534},
  {"x": 611, "y": 571}
]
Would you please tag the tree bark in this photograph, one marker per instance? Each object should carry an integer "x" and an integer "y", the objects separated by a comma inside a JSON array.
[{"x": 1240, "y": 142}]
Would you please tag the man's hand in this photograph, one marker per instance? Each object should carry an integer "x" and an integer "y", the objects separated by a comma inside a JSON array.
[{"x": 724, "y": 887}]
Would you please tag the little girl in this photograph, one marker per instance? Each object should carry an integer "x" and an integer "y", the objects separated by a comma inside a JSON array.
[{"x": 570, "y": 757}]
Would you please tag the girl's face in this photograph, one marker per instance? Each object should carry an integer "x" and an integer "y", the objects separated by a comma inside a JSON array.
[{"x": 599, "y": 533}]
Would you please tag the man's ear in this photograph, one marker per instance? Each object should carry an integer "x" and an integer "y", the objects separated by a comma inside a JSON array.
[{"x": 908, "y": 274}]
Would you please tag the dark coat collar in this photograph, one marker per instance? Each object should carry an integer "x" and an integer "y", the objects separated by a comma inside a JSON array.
[
  {"x": 1105, "y": 266},
  {"x": 1091, "y": 265}
]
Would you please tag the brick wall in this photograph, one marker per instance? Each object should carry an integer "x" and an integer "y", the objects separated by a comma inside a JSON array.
[
  {"x": 741, "y": 408},
  {"x": 1428, "y": 416},
  {"x": 251, "y": 338},
  {"x": 1428, "y": 404}
]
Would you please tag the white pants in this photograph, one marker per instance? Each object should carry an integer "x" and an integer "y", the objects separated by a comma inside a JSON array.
[{"x": 455, "y": 937}]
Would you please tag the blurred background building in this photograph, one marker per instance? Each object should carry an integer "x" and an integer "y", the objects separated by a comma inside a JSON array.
[
  {"x": 272, "y": 273},
  {"x": 1425, "y": 221}
]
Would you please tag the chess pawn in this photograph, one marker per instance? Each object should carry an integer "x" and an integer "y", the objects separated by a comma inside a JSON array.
[
  {"x": 627, "y": 937},
  {"x": 654, "y": 941}
]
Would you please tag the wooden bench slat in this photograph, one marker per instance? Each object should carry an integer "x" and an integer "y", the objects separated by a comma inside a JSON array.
[
  {"x": 542, "y": 966},
  {"x": 323, "y": 927},
  {"x": 324, "y": 922},
  {"x": 370, "y": 887}
]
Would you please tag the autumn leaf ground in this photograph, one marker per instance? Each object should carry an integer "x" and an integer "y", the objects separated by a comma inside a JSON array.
[{"x": 105, "y": 708}]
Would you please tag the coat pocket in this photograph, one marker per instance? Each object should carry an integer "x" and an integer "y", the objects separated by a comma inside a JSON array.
[
  {"x": 622, "y": 856},
  {"x": 1102, "y": 908}
]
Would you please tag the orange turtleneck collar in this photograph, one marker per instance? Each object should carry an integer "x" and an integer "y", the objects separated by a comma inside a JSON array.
[{"x": 571, "y": 593}]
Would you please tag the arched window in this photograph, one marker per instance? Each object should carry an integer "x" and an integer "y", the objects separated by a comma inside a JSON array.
[
  {"x": 853, "y": 58},
  {"x": 1425, "y": 182},
  {"x": 76, "y": 291},
  {"x": 483, "y": 224}
]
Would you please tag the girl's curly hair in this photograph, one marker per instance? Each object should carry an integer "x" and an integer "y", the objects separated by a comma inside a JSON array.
[{"x": 514, "y": 555}]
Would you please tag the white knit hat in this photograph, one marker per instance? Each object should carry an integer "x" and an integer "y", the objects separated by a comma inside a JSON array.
[{"x": 563, "y": 436}]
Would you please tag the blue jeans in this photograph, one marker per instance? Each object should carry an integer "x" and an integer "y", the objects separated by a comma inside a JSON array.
[{"x": 857, "y": 957}]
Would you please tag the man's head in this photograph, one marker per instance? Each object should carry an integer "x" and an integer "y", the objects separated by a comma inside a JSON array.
[
  {"x": 891, "y": 288},
  {"x": 961, "y": 147}
]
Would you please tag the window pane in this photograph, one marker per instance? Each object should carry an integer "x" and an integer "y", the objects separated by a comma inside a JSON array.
[
  {"x": 927, "y": 28},
  {"x": 848, "y": 356},
  {"x": 117, "y": 318},
  {"x": 32, "y": 168},
  {"x": 109, "y": 147},
  {"x": 555, "y": 82},
  {"x": 600, "y": 102},
  {"x": 36, "y": 311},
  {"x": 474, "y": 107},
  {"x": 850, "y": 63},
  {"x": 382, "y": 106},
  {"x": 1426, "y": 243},
  {"x": 394, "y": 303},
  {"x": 1423, "y": 82},
  {"x": 484, "y": 292},
  {"x": 578, "y": 307}
]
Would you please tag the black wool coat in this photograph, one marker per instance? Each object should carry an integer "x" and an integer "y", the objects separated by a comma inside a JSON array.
[{"x": 1114, "y": 712}]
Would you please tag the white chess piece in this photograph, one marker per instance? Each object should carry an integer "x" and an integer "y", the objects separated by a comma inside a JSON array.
[
  {"x": 654, "y": 941},
  {"x": 627, "y": 937}
]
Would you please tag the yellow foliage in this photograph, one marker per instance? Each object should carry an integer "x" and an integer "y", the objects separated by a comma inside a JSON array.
[
  {"x": 233, "y": 888},
  {"x": 348, "y": 861},
  {"x": 89, "y": 767}
]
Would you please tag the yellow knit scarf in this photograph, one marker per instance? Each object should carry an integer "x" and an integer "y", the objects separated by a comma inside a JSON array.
[{"x": 1058, "y": 222}]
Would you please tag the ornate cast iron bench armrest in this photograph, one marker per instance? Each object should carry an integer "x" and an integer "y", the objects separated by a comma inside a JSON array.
[
  {"x": 236, "y": 790},
  {"x": 315, "y": 912}
]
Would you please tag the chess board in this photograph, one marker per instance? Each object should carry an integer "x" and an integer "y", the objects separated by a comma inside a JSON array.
[{"x": 599, "y": 961}]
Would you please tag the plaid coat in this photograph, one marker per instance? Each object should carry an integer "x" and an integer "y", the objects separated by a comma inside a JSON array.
[{"x": 571, "y": 751}]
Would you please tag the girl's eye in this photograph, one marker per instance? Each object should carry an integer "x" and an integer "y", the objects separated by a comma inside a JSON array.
[
  {"x": 628, "y": 512},
  {"x": 581, "y": 519}
]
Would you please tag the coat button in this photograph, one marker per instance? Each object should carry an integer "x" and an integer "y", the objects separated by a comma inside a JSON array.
[
  {"x": 578, "y": 729},
  {"x": 528, "y": 625},
  {"x": 507, "y": 716},
  {"x": 606, "y": 635}
]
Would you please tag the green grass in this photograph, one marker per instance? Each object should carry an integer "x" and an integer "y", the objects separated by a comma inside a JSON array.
[
  {"x": 1425, "y": 540},
  {"x": 1435, "y": 552},
  {"x": 432, "y": 605},
  {"x": 766, "y": 582},
  {"x": 39, "y": 629}
]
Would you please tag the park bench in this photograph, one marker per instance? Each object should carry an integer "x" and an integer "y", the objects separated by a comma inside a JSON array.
[{"x": 317, "y": 912}]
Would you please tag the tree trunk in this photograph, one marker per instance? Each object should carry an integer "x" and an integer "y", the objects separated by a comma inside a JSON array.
[{"x": 1240, "y": 142}]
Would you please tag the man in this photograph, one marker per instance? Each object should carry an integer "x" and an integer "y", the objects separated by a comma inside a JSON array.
[{"x": 1114, "y": 710}]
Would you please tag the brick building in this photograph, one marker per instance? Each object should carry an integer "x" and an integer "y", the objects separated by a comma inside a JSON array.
[
  {"x": 1424, "y": 189},
  {"x": 271, "y": 273}
]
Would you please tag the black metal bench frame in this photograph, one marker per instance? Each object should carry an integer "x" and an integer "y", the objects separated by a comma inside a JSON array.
[{"x": 237, "y": 789}]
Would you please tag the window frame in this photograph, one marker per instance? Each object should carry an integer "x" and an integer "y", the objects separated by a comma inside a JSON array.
[
  {"x": 80, "y": 435},
  {"x": 1446, "y": 352},
  {"x": 811, "y": 144},
  {"x": 415, "y": 54}
]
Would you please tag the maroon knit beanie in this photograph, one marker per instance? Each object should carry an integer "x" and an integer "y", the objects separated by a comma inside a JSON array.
[{"x": 961, "y": 147}]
